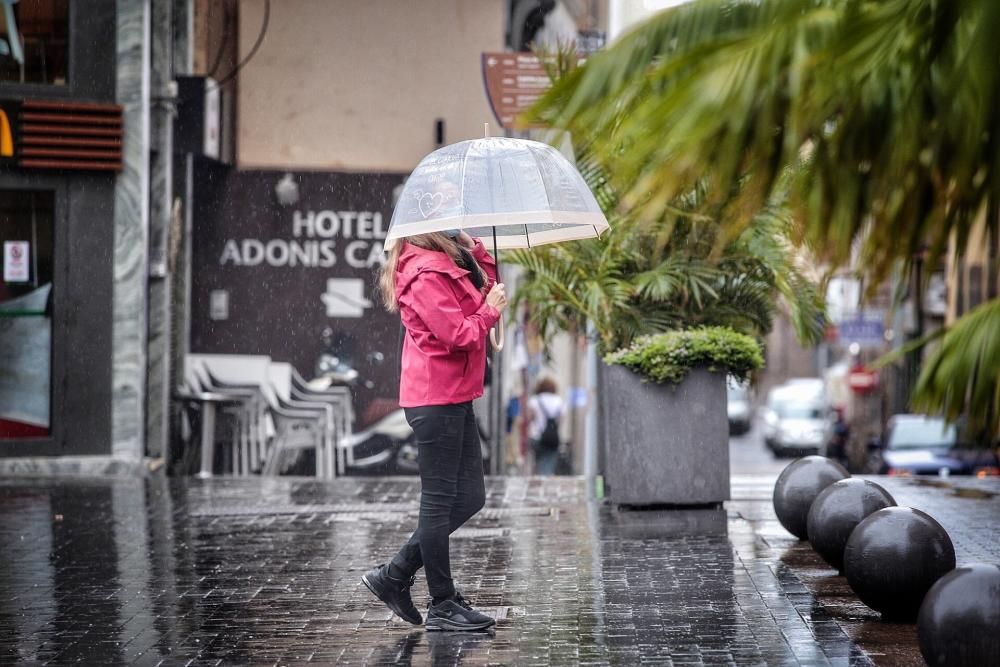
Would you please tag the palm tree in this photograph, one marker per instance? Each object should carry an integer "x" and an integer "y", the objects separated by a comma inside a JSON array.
[
  {"x": 877, "y": 123},
  {"x": 646, "y": 277}
]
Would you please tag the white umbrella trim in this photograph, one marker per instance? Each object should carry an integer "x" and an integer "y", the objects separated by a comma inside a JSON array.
[{"x": 573, "y": 225}]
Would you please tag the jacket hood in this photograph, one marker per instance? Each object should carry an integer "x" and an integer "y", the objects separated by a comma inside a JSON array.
[{"x": 413, "y": 261}]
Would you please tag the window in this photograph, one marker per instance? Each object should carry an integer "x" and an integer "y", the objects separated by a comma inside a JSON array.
[
  {"x": 791, "y": 410},
  {"x": 922, "y": 433},
  {"x": 34, "y": 41},
  {"x": 26, "y": 228}
]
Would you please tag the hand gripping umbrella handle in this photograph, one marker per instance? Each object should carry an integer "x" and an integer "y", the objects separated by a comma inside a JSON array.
[{"x": 497, "y": 340}]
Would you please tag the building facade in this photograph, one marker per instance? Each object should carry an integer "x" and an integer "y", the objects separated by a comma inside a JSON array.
[
  {"x": 61, "y": 159},
  {"x": 84, "y": 90},
  {"x": 333, "y": 105},
  {"x": 184, "y": 176}
]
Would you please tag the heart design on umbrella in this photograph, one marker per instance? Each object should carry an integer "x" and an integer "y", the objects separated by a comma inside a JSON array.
[{"x": 430, "y": 203}]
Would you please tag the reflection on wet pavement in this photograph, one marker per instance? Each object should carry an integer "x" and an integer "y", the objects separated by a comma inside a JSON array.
[{"x": 119, "y": 571}]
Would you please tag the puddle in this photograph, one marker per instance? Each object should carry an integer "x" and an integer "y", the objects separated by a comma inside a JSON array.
[
  {"x": 959, "y": 491},
  {"x": 937, "y": 484},
  {"x": 975, "y": 494}
]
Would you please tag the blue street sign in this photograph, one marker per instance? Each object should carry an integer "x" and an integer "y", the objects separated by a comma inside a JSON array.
[{"x": 865, "y": 329}]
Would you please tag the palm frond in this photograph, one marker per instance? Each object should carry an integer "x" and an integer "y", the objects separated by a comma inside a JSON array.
[
  {"x": 883, "y": 111},
  {"x": 874, "y": 126},
  {"x": 960, "y": 377}
]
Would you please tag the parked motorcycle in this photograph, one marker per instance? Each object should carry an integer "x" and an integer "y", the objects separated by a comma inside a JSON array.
[
  {"x": 336, "y": 366},
  {"x": 387, "y": 447}
]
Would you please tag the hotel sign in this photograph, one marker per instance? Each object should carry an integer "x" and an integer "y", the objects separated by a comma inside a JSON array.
[{"x": 315, "y": 239}]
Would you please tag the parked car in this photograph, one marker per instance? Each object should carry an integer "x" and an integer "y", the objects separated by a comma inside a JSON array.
[
  {"x": 804, "y": 389},
  {"x": 925, "y": 445},
  {"x": 796, "y": 419},
  {"x": 738, "y": 406}
]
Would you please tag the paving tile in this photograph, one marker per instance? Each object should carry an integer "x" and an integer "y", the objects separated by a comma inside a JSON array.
[{"x": 234, "y": 571}]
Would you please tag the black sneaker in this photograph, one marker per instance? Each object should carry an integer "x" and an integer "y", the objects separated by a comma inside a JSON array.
[
  {"x": 461, "y": 601},
  {"x": 456, "y": 614},
  {"x": 395, "y": 593}
]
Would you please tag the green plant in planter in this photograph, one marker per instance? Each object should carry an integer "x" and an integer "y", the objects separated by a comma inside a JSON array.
[
  {"x": 642, "y": 278},
  {"x": 669, "y": 356}
]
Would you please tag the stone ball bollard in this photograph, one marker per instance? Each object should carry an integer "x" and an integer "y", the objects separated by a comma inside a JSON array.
[
  {"x": 797, "y": 487},
  {"x": 959, "y": 621},
  {"x": 837, "y": 511},
  {"x": 894, "y": 557}
]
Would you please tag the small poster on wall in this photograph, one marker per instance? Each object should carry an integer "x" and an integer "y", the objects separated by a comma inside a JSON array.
[{"x": 15, "y": 262}]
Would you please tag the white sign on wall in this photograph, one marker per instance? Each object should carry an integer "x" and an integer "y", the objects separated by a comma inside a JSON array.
[
  {"x": 345, "y": 297},
  {"x": 212, "y": 115},
  {"x": 15, "y": 262},
  {"x": 218, "y": 304}
]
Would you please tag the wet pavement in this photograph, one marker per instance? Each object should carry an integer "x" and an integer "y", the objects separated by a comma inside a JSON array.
[
  {"x": 226, "y": 571},
  {"x": 748, "y": 455}
]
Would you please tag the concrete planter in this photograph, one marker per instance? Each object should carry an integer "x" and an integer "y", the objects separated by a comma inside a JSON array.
[{"x": 664, "y": 444}]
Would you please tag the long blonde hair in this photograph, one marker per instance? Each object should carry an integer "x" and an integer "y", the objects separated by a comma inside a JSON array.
[{"x": 438, "y": 241}]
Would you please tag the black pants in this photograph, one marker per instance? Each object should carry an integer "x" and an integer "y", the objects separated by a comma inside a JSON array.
[{"x": 452, "y": 489}]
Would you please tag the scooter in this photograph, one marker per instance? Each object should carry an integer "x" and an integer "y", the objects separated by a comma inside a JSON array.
[
  {"x": 334, "y": 367},
  {"x": 387, "y": 447}
]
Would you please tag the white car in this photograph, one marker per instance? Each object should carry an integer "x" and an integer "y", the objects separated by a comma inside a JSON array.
[
  {"x": 796, "y": 418},
  {"x": 738, "y": 406}
]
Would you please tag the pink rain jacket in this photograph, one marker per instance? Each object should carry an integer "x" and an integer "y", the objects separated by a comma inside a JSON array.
[{"x": 447, "y": 320}]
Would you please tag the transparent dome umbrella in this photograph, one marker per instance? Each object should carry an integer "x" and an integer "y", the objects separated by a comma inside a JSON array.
[{"x": 521, "y": 193}]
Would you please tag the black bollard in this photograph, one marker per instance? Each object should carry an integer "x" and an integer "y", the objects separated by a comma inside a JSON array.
[
  {"x": 837, "y": 510},
  {"x": 959, "y": 622},
  {"x": 797, "y": 487},
  {"x": 894, "y": 557}
]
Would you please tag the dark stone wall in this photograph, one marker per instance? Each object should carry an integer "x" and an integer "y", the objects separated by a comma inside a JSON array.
[{"x": 278, "y": 308}]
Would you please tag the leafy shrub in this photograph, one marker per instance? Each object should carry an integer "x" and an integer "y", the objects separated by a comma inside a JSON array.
[{"x": 668, "y": 357}]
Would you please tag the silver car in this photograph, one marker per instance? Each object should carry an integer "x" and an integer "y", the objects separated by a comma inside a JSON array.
[
  {"x": 796, "y": 422},
  {"x": 738, "y": 406}
]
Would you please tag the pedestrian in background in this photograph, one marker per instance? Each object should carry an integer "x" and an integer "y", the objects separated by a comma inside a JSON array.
[
  {"x": 840, "y": 434},
  {"x": 444, "y": 287},
  {"x": 546, "y": 410}
]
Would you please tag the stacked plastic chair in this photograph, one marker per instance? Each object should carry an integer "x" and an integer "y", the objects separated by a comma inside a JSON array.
[{"x": 271, "y": 420}]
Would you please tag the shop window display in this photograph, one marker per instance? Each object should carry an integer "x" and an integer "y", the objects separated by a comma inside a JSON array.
[{"x": 26, "y": 228}]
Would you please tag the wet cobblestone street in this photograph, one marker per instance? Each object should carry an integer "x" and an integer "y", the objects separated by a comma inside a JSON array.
[{"x": 267, "y": 571}]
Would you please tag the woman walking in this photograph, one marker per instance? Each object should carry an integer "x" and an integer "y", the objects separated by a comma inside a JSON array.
[
  {"x": 444, "y": 286},
  {"x": 545, "y": 410}
]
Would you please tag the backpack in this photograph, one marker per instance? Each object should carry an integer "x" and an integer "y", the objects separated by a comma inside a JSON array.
[{"x": 549, "y": 439}]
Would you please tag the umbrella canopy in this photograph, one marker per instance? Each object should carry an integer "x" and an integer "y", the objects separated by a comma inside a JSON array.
[{"x": 525, "y": 193}]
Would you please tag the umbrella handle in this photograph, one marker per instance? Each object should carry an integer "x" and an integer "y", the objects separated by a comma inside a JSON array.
[{"x": 497, "y": 340}]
